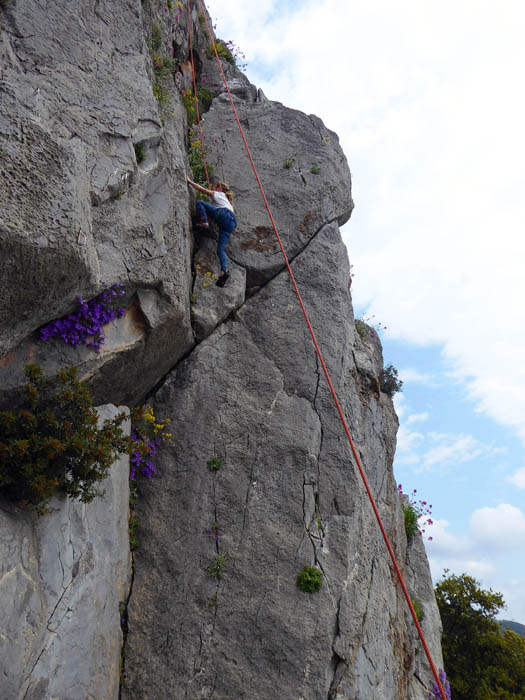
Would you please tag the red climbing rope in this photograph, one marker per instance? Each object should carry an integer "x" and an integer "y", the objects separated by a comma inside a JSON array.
[{"x": 327, "y": 375}]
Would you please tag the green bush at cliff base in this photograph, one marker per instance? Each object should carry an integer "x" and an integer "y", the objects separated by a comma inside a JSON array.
[
  {"x": 51, "y": 444},
  {"x": 310, "y": 579}
]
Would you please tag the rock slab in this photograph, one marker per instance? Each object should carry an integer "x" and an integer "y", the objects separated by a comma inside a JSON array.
[{"x": 63, "y": 577}]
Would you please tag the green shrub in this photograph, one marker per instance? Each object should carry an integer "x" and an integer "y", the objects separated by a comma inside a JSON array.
[
  {"x": 214, "y": 464},
  {"x": 411, "y": 520},
  {"x": 222, "y": 51},
  {"x": 288, "y": 164},
  {"x": 205, "y": 96},
  {"x": 310, "y": 579},
  {"x": 162, "y": 95},
  {"x": 196, "y": 161},
  {"x": 389, "y": 382},
  {"x": 51, "y": 444},
  {"x": 188, "y": 100},
  {"x": 217, "y": 567},
  {"x": 162, "y": 66},
  {"x": 315, "y": 170},
  {"x": 155, "y": 40},
  {"x": 417, "y": 609},
  {"x": 134, "y": 542},
  {"x": 363, "y": 329}
]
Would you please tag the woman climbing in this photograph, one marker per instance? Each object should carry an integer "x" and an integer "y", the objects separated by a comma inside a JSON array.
[{"x": 222, "y": 213}]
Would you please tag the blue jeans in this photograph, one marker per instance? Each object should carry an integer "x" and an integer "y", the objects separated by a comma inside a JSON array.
[{"x": 226, "y": 222}]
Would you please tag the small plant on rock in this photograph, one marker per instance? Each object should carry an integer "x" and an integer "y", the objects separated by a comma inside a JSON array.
[
  {"x": 223, "y": 51},
  {"x": 310, "y": 579},
  {"x": 162, "y": 65},
  {"x": 196, "y": 161},
  {"x": 134, "y": 523},
  {"x": 413, "y": 511},
  {"x": 140, "y": 152},
  {"x": 155, "y": 39},
  {"x": 418, "y": 609},
  {"x": 214, "y": 464},
  {"x": 217, "y": 567},
  {"x": 315, "y": 170}
]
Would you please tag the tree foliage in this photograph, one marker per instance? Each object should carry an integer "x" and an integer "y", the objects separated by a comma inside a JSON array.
[
  {"x": 52, "y": 442},
  {"x": 481, "y": 663}
]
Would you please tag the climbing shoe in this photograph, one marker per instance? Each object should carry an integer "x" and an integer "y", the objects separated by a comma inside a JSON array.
[{"x": 222, "y": 279}]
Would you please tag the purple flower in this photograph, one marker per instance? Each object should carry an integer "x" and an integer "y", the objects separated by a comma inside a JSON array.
[
  {"x": 435, "y": 694},
  {"x": 84, "y": 325}
]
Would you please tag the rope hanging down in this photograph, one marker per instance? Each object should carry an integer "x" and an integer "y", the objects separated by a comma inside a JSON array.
[{"x": 323, "y": 365}]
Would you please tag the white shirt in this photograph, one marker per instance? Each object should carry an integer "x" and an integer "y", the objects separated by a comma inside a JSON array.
[{"x": 222, "y": 201}]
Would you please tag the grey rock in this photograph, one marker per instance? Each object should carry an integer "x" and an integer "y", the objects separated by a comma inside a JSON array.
[
  {"x": 286, "y": 495},
  {"x": 302, "y": 202},
  {"x": 77, "y": 212},
  {"x": 211, "y": 304},
  {"x": 419, "y": 582},
  {"x": 62, "y": 578}
]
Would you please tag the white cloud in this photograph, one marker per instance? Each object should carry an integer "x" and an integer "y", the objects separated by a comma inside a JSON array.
[
  {"x": 414, "y": 376},
  {"x": 417, "y": 418},
  {"x": 433, "y": 451},
  {"x": 498, "y": 528},
  {"x": 518, "y": 478},
  {"x": 444, "y": 543}
]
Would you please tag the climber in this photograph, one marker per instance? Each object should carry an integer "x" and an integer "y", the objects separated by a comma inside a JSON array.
[{"x": 221, "y": 211}]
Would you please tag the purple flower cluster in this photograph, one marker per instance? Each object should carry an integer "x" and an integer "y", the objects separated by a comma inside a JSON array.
[
  {"x": 86, "y": 323},
  {"x": 435, "y": 694},
  {"x": 238, "y": 56},
  {"x": 142, "y": 461}
]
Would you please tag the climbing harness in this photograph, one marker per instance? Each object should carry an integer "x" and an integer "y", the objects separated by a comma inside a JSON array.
[{"x": 316, "y": 345}]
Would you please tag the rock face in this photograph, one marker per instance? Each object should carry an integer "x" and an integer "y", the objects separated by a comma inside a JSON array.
[
  {"x": 78, "y": 213},
  {"x": 62, "y": 579},
  {"x": 258, "y": 481}
]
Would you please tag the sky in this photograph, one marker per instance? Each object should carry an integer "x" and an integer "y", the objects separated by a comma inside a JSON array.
[{"x": 428, "y": 102}]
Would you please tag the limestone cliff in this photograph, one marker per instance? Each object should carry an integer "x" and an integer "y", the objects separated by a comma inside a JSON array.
[{"x": 93, "y": 193}]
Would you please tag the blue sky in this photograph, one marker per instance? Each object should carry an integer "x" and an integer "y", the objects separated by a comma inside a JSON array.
[{"x": 426, "y": 100}]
